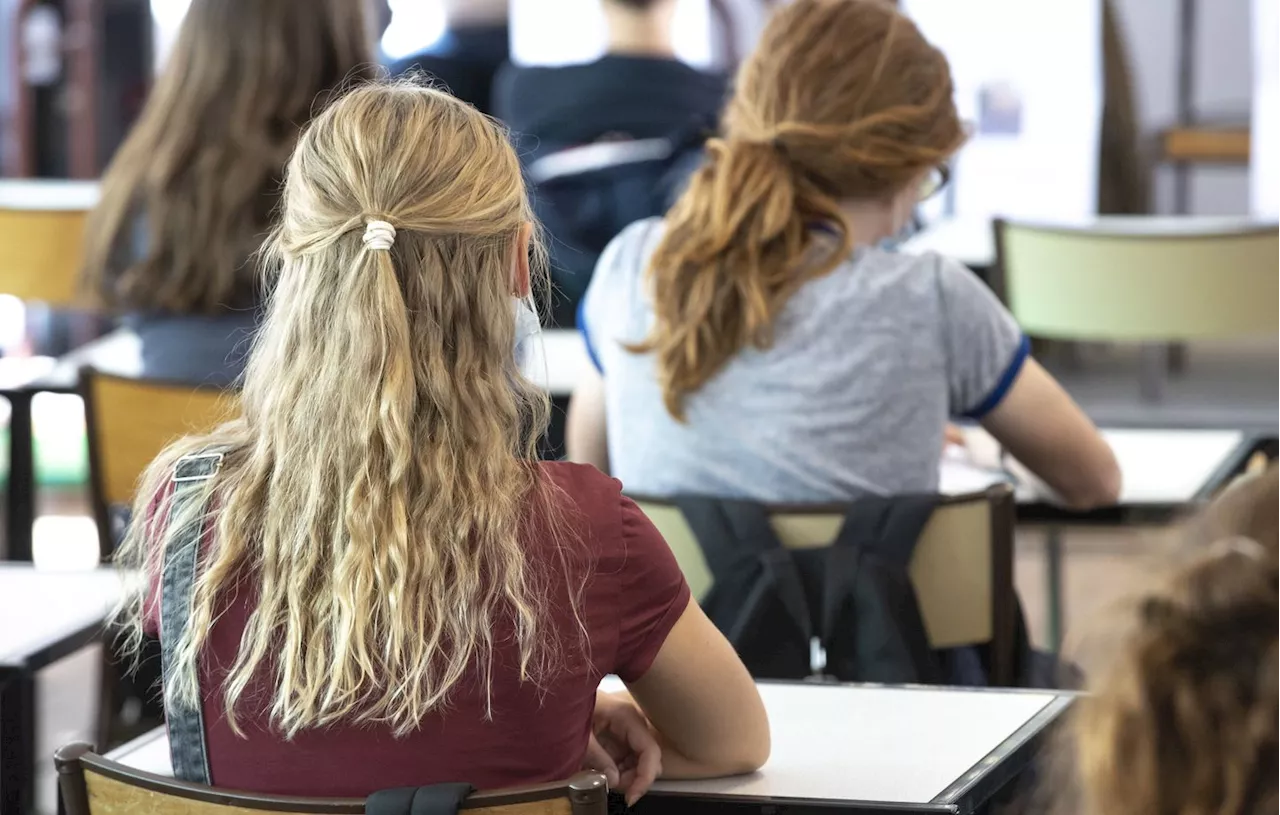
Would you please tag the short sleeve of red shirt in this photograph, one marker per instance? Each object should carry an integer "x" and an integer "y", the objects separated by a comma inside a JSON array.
[{"x": 653, "y": 594}]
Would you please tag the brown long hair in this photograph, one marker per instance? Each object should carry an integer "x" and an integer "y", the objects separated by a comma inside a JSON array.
[
  {"x": 1185, "y": 721},
  {"x": 842, "y": 99},
  {"x": 188, "y": 198},
  {"x": 375, "y": 491}
]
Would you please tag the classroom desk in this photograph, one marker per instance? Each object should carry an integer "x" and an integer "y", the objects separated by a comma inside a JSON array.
[
  {"x": 44, "y": 616},
  {"x": 852, "y": 748},
  {"x": 1163, "y": 471},
  {"x": 972, "y": 241}
]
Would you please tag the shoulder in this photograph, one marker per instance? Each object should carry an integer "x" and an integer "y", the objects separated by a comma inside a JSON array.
[
  {"x": 623, "y": 263},
  {"x": 886, "y": 281},
  {"x": 627, "y": 255},
  {"x": 581, "y": 483}
]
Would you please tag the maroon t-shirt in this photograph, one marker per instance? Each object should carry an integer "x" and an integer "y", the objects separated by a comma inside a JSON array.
[{"x": 633, "y": 595}]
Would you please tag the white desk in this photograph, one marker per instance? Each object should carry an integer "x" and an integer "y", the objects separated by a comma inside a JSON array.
[
  {"x": 1159, "y": 468},
  {"x": 48, "y": 195},
  {"x": 850, "y": 744},
  {"x": 44, "y": 616},
  {"x": 39, "y": 609},
  {"x": 972, "y": 241}
]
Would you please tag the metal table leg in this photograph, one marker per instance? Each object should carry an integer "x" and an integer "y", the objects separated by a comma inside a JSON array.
[
  {"x": 20, "y": 513},
  {"x": 1053, "y": 587}
]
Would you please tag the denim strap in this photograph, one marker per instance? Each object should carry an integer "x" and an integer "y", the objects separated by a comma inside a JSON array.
[{"x": 181, "y": 558}]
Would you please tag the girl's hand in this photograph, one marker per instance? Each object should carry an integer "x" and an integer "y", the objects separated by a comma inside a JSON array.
[{"x": 623, "y": 747}]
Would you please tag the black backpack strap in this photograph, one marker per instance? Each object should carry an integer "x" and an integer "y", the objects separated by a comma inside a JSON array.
[
  {"x": 870, "y": 617},
  {"x": 758, "y": 599},
  {"x": 190, "y": 504},
  {"x": 437, "y": 799}
]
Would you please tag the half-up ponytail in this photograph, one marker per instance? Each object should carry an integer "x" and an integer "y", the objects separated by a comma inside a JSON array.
[{"x": 842, "y": 99}]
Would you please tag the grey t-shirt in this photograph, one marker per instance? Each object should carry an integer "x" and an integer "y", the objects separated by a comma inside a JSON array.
[{"x": 867, "y": 365}]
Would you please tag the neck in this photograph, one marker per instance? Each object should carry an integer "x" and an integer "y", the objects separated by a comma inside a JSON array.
[
  {"x": 869, "y": 221},
  {"x": 639, "y": 34}
]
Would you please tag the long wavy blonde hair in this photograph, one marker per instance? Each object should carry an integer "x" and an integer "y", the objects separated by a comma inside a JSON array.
[
  {"x": 376, "y": 488},
  {"x": 188, "y": 198}
]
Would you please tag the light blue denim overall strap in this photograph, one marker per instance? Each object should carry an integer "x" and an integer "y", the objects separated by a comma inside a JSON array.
[{"x": 187, "y": 745}]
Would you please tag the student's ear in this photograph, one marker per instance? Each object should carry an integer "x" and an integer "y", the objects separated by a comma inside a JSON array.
[{"x": 520, "y": 261}]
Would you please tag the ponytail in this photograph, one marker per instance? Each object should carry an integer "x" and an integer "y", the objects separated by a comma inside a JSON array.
[
  {"x": 840, "y": 101},
  {"x": 736, "y": 247}
]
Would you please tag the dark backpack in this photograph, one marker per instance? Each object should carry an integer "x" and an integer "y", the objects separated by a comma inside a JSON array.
[
  {"x": 847, "y": 611},
  {"x": 854, "y": 600}
]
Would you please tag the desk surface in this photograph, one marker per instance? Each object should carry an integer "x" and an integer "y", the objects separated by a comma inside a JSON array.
[
  {"x": 40, "y": 608},
  {"x": 845, "y": 743},
  {"x": 972, "y": 240},
  {"x": 1159, "y": 468},
  {"x": 46, "y": 195}
]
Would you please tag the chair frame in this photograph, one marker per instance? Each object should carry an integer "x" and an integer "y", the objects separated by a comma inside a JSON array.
[
  {"x": 587, "y": 791},
  {"x": 97, "y": 490},
  {"x": 1000, "y": 499}
]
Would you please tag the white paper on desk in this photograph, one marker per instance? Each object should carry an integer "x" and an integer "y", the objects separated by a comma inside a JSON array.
[
  {"x": 1264, "y": 147},
  {"x": 959, "y": 476},
  {"x": 1028, "y": 76}
]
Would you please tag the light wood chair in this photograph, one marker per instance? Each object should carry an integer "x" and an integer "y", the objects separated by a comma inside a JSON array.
[
  {"x": 129, "y": 422},
  {"x": 92, "y": 785},
  {"x": 41, "y": 251},
  {"x": 962, "y": 569},
  {"x": 1142, "y": 280}
]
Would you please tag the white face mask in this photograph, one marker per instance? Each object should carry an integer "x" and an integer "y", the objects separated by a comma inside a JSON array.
[{"x": 528, "y": 326}]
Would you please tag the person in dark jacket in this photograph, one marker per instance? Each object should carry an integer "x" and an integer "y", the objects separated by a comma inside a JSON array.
[
  {"x": 466, "y": 60},
  {"x": 640, "y": 113}
]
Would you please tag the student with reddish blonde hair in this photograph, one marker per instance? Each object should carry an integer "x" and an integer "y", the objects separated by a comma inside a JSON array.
[{"x": 757, "y": 343}]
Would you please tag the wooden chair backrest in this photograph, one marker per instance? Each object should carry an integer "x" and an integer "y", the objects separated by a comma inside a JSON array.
[
  {"x": 93, "y": 785},
  {"x": 1140, "y": 286},
  {"x": 41, "y": 252},
  {"x": 130, "y": 421},
  {"x": 962, "y": 568}
]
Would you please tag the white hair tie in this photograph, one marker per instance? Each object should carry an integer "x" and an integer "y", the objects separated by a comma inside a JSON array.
[{"x": 379, "y": 235}]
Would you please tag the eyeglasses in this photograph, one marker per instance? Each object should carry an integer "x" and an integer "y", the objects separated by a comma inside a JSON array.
[{"x": 935, "y": 182}]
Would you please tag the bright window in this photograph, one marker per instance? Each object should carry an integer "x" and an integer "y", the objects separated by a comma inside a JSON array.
[{"x": 415, "y": 24}]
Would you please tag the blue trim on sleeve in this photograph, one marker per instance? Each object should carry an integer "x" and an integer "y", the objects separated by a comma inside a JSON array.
[
  {"x": 586, "y": 335},
  {"x": 1005, "y": 382}
]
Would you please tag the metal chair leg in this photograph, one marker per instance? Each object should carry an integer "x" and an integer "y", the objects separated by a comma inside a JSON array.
[
  {"x": 1153, "y": 371},
  {"x": 1053, "y": 587}
]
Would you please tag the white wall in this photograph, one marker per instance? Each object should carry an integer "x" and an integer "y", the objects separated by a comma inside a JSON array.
[{"x": 1223, "y": 87}]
